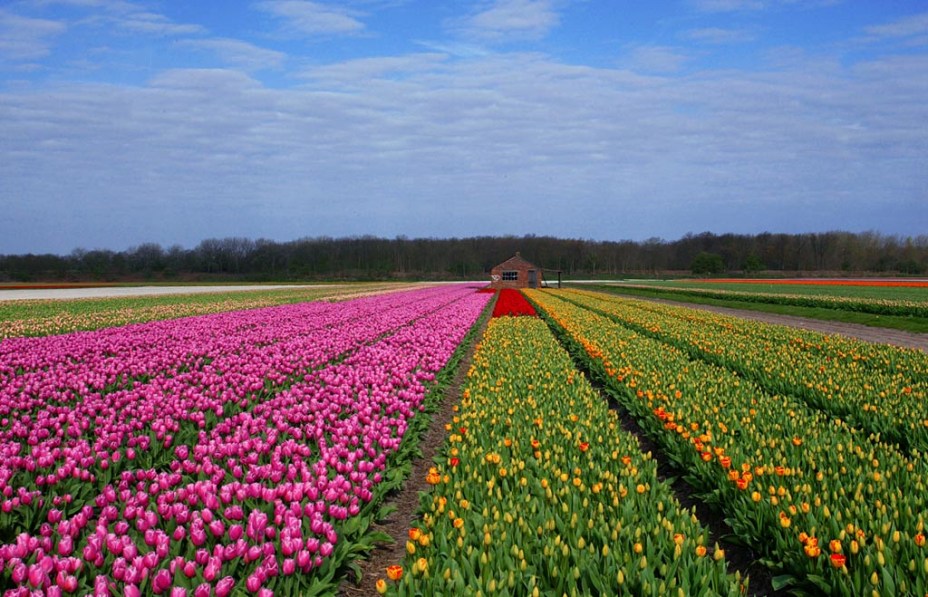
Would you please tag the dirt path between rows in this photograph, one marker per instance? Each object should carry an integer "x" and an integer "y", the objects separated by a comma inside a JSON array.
[{"x": 862, "y": 332}]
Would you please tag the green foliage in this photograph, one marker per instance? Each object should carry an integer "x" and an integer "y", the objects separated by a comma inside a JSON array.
[
  {"x": 707, "y": 263},
  {"x": 753, "y": 264}
]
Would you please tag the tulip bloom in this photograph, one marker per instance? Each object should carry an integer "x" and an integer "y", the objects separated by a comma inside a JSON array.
[{"x": 394, "y": 572}]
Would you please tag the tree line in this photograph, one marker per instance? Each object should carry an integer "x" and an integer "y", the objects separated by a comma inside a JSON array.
[{"x": 374, "y": 258}]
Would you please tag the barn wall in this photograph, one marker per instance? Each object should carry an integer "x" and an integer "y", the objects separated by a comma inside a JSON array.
[{"x": 522, "y": 281}]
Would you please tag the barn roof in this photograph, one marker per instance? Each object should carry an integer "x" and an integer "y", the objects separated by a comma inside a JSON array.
[{"x": 516, "y": 262}]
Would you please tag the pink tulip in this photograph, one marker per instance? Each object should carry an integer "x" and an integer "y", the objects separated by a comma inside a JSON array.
[
  {"x": 224, "y": 586},
  {"x": 161, "y": 581},
  {"x": 37, "y": 576},
  {"x": 19, "y": 573},
  {"x": 253, "y": 583},
  {"x": 289, "y": 567},
  {"x": 101, "y": 587}
]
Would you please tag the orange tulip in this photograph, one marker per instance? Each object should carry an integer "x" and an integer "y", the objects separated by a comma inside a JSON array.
[{"x": 394, "y": 572}]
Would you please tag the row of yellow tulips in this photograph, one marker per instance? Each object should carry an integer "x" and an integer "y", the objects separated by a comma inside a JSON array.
[
  {"x": 880, "y": 389},
  {"x": 833, "y": 510},
  {"x": 540, "y": 492}
]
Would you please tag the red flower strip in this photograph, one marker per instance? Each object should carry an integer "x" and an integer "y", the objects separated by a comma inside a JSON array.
[{"x": 511, "y": 302}]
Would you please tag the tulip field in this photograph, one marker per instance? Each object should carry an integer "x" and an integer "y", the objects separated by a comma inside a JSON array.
[
  {"x": 42, "y": 317},
  {"x": 234, "y": 453},
  {"x": 895, "y": 298},
  {"x": 219, "y": 452},
  {"x": 540, "y": 491},
  {"x": 774, "y": 428}
]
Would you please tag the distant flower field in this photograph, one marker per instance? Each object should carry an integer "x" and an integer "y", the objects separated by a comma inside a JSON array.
[
  {"x": 877, "y": 297},
  {"x": 44, "y": 317}
]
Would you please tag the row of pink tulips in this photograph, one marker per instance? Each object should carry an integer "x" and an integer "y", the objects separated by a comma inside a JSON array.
[
  {"x": 75, "y": 428},
  {"x": 256, "y": 498}
]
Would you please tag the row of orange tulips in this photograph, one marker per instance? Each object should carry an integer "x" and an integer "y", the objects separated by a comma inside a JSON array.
[{"x": 877, "y": 388}]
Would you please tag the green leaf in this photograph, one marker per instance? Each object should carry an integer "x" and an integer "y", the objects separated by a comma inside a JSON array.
[
  {"x": 888, "y": 581},
  {"x": 782, "y": 581},
  {"x": 822, "y": 583},
  {"x": 386, "y": 510},
  {"x": 381, "y": 538}
]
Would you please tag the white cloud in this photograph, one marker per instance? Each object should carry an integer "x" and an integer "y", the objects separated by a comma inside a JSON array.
[
  {"x": 24, "y": 39},
  {"x": 728, "y": 5},
  {"x": 749, "y": 5},
  {"x": 913, "y": 26},
  {"x": 155, "y": 24},
  {"x": 660, "y": 59},
  {"x": 363, "y": 69},
  {"x": 506, "y": 143},
  {"x": 108, "y": 5},
  {"x": 505, "y": 19},
  {"x": 314, "y": 18},
  {"x": 719, "y": 35},
  {"x": 128, "y": 16},
  {"x": 239, "y": 53},
  {"x": 203, "y": 79},
  {"x": 455, "y": 48}
]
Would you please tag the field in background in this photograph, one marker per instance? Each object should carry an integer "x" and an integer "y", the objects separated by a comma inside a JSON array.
[
  {"x": 48, "y": 316},
  {"x": 891, "y": 290},
  {"x": 886, "y": 305}
]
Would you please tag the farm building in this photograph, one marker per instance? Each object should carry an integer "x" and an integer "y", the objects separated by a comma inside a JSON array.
[{"x": 516, "y": 272}]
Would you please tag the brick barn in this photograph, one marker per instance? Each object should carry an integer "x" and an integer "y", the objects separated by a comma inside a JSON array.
[{"x": 515, "y": 272}]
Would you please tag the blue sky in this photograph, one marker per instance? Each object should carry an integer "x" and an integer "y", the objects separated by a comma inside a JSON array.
[{"x": 129, "y": 121}]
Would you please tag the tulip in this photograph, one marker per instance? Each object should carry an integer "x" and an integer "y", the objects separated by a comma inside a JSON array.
[
  {"x": 161, "y": 581},
  {"x": 253, "y": 583},
  {"x": 37, "y": 576},
  {"x": 224, "y": 586},
  {"x": 394, "y": 572}
]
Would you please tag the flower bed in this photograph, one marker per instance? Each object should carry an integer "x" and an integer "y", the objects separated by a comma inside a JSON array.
[
  {"x": 236, "y": 451},
  {"x": 540, "y": 492},
  {"x": 878, "y": 389},
  {"x": 831, "y": 508},
  {"x": 512, "y": 303}
]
